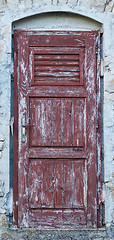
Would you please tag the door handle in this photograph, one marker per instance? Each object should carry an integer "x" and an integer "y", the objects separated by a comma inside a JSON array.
[
  {"x": 28, "y": 125},
  {"x": 23, "y": 128}
]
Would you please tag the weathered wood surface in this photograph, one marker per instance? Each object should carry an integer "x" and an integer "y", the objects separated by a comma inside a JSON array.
[
  {"x": 57, "y": 166},
  {"x": 57, "y": 122}
]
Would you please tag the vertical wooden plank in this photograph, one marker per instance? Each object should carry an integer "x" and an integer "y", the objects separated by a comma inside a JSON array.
[
  {"x": 40, "y": 116},
  {"x": 56, "y": 129},
  {"x": 35, "y": 184},
  {"x": 81, "y": 65},
  {"x": 67, "y": 122},
  {"x": 31, "y": 67},
  {"x": 23, "y": 58},
  {"x": 57, "y": 180},
  {"x": 78, "y": 137},
  {"x": 78, "y": 183},
  {"x": 90, "y": 85},
  {"x": 67, "y": 184},
  {"x": 99, "y": 184},
  {"x": 47, "y": 189},
  {"x": 46, "y": 122},
  {"x": 35, "y": 136},
  {"x": 45, "y": 113}
]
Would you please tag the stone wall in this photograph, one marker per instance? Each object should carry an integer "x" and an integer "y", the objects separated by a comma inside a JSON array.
[{"x": 100, "y": 14}]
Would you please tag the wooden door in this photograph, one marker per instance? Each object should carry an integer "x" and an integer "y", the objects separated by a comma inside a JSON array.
[{"x": 55, "y": 137}]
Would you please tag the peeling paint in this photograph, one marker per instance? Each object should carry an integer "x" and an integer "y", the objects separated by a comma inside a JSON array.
[
  {"x": 58, "y": 122},
  {"x": 92, "y": 9}
]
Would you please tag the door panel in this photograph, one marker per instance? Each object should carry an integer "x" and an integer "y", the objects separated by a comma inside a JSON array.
[
  {"x": 57, "y": 183},
  {"x": 57, "y": 122},
  {"x": 57, "y": 158},
  {"x": 52, "y": 218}
]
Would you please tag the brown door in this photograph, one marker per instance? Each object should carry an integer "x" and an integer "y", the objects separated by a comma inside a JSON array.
[{"x": 55, "y": 129}]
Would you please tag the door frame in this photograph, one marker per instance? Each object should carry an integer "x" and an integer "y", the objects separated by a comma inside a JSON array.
[{"x": 98, "y": 132}]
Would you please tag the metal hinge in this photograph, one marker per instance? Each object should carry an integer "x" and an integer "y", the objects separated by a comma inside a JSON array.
[
  {"x": 12, "y": 125},
  {"x": 102, "y": 67},
  {"x": 23, "y": 128}
]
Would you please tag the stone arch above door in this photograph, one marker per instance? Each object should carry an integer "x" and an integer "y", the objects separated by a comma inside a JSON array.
[{"x": 57, "y": 20}]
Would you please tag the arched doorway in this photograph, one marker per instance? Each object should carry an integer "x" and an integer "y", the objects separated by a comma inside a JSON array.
[{"x": 56, "y": 112}]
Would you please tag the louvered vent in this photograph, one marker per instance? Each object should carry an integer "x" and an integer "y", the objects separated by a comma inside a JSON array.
[{"x": 53, "y": 67}]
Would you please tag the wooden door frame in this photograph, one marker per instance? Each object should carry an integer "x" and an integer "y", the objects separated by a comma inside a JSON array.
[{"x": 98, "y": 132}]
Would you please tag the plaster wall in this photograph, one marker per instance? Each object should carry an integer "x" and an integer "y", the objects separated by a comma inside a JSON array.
[{"x": 65, "y": 15}]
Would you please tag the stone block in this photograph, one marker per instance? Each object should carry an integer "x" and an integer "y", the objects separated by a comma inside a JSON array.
[
  {"x": 1, "y": 145},
  {"x": 99, "y": 5},
  {"x": 28, "y": 3},
  {"x": 71, "y": 2},
  {"x": 1, "y": 50},
  {"x": 4, "y": 1},
  {"x": 109, "y": 6},
  {"x": 2, "y": 137},
  {"x": 14, "y": 3},
  {"x": 5, "y": 30},
  {"x": 33, "y": 234},
  {"x": 3, "y": 221}
]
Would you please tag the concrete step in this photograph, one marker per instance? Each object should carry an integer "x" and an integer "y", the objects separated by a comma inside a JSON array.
[{"x": 55, "y": 234}]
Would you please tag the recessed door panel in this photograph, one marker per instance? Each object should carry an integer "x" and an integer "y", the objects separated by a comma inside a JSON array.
[
  {"x": 57, "y": 184},
  {"x": 57, "y": 122}
]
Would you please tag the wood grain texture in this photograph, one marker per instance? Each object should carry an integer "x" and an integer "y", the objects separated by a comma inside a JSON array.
[
  {"x": 57, "y": 183},
  {"x": 52, "y": 218},
  {"x": 57, "y": 122},
  {"x": 56, "y": 40},
  {"x": 58, "y": 162},
  {"x": 22, "y": 147}
]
